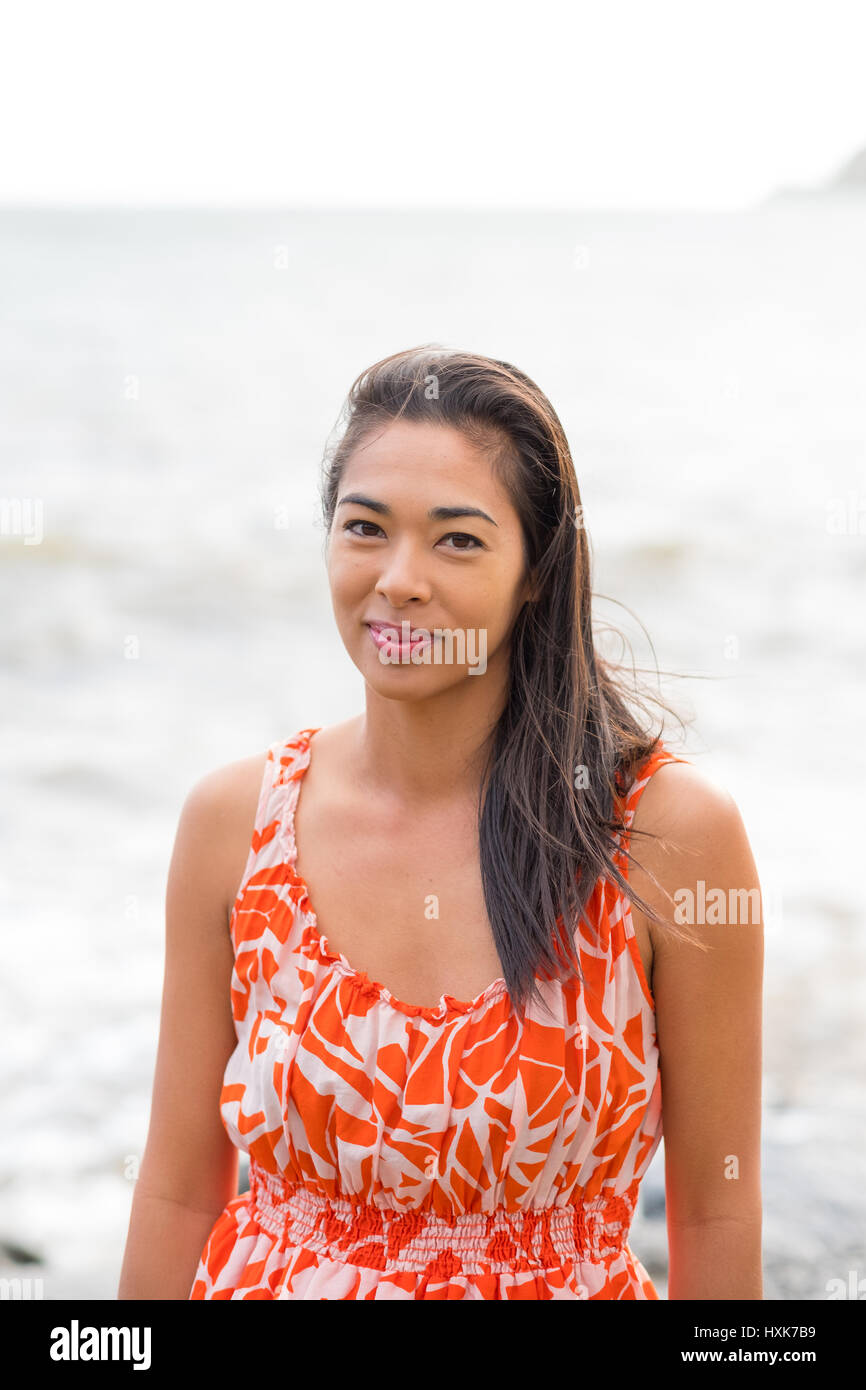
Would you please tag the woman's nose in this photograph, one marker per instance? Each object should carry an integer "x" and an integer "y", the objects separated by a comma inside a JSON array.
[{"x": 401, "y": 577}]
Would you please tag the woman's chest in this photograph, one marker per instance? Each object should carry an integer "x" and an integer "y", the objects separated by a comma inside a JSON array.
[
  {"x": 402, "y": 899},
  {"x": 403, "y": 903}
]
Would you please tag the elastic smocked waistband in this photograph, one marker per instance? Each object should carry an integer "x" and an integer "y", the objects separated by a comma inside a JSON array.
[{"x": 357, "y": 1232}]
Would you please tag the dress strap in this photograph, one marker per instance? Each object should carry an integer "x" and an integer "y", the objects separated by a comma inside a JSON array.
[
  {"x": 287, "y": 755},
  {"x": 273, "y": 810}
]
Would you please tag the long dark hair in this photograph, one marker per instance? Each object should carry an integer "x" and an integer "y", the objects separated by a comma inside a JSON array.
[{"x": 569, "y": 718}]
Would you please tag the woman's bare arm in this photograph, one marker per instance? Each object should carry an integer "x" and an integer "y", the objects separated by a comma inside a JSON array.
[
  {"x": 708, "y": 1024},
  {"x": 189, "y": 1170}
]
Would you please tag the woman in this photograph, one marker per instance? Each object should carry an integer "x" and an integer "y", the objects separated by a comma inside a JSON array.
[{"x": 488, "y": 1138}]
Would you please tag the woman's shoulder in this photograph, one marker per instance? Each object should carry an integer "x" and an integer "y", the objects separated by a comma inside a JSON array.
[
  {"x": 693, "y": 829},
  {"x": 230, "y": 786},
  {"x": 218, "y": 818},
  {"x": 227, "y": 798},
  {"x": 235, "y": 787},
  {"x": 681, "y": 795}
]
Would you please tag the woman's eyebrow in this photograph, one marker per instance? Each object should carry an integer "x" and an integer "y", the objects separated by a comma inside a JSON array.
[{"x": 435, "y": 513}]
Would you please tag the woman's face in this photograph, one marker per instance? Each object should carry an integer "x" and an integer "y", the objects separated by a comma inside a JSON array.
[{"x": 390, "y": 561}]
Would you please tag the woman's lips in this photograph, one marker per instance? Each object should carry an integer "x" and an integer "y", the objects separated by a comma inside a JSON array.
[{"x": 388, "y": 637}]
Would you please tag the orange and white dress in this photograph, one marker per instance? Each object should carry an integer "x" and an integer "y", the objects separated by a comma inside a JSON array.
[{"x": 449, "y": 1151}]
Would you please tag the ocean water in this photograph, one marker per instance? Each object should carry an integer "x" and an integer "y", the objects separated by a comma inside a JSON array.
[{"x": 169, "y": 380}]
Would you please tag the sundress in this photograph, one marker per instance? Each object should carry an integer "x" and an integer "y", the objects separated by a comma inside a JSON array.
[{"x": 452, "y": 1151}]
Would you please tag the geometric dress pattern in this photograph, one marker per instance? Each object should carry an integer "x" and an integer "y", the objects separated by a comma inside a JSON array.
[{"x": 454, "y": 1151}]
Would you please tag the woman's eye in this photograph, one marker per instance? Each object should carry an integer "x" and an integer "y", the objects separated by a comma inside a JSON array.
[{"x": 459, "y": 535}]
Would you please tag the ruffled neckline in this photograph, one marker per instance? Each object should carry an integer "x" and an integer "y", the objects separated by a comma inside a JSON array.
[{"x": 315, "y": 940}]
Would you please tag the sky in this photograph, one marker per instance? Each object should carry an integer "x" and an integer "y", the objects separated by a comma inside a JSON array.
[{"x": 465, "y": 103}]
